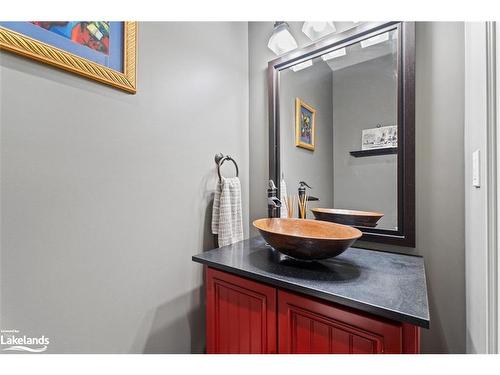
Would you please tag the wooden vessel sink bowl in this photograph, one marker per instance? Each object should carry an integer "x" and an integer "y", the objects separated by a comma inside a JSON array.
[
  {"x": 348, "y": 217},
  {"x": 307, "y": 239}
]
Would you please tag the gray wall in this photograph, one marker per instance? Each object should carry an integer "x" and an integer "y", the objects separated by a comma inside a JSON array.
[
  {"x": 439, "y": 168},
  {"x": 314, "y": 86},
  {"x": 439, "y": 179},
  {"x": 106, "y": 196},
  {"x": 365, "y": 95}
]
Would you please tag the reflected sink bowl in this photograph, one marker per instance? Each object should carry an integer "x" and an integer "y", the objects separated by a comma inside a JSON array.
[
  {"x": 348, "y": 217},
  {"x": 307, "y": 239}
]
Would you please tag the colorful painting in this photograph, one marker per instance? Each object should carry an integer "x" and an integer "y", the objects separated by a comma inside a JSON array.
[
  {"x": 93, "y": 34},
  {"x": 305, "y": 116},
  {"x": 101, "y": 50}
]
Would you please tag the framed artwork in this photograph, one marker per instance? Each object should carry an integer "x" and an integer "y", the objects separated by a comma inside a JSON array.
[
  {"x": 305, "y": 117},
  {"x": 379, "y": 137},
  {"x": 100, "y": 50}
]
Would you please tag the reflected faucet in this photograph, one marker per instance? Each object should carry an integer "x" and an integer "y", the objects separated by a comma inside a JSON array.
[{"x": 273, "y": 203}]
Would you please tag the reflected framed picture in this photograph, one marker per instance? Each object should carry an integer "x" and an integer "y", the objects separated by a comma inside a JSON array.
[
  {"x": 103, "y": 51},
  {"x": 379, "y": 137},
  {"x": 305, "y": 117}
]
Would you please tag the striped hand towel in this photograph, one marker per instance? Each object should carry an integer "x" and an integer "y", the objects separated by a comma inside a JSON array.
[{"x": 227, "y": 220}]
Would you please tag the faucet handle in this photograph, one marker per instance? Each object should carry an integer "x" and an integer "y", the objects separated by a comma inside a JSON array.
[
  {"x": 273, "y": 202},
  {"x": 302, "y": 183}
]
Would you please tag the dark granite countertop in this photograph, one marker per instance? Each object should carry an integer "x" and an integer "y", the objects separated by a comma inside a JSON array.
[{"x": 389, "y": 285}]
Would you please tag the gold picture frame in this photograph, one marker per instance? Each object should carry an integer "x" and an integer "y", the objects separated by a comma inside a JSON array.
[
  {"x": 25, "y": 46},
  {"x": 305, "y": 125}
]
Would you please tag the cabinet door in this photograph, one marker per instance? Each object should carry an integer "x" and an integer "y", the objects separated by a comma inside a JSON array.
[
  {"x": 241, "y": 315},
  {"x": 307, "y": 325}
]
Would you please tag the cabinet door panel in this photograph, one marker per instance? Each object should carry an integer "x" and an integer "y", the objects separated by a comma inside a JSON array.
[
  {"x": 320, "y": 338},
  {"x": 241, "y": 315},
  {"x": 360, "y": 345},
  {"x": 341, "y": 343},
  {"x": 311, "y": 326}
]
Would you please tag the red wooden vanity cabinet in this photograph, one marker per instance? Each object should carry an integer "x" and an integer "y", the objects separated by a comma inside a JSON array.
[
  {"x": 241, "y": 315},
  {"x": 245, "y": 316}
]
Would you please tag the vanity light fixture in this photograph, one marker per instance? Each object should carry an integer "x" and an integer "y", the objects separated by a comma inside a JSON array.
[
  {"x": 281, "y": 40},
  {"x": 305, "y": 64},
  {"x": 317, "y": 30},
  {"x": 374, "y": 40},
  {"x": 337, "y": 53}
]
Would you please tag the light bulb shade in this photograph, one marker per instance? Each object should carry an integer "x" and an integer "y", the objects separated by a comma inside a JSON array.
[
  {"x": 281, "y": 41},
  {"x": 301, "y": 66},
  {"x": 317, "y": 30}
]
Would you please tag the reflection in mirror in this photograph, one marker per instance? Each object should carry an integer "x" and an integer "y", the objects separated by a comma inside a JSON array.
[{"x": 339, "y": 116}]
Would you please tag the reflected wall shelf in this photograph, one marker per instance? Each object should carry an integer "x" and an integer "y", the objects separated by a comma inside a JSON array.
[{"x": 374, "y": 152}]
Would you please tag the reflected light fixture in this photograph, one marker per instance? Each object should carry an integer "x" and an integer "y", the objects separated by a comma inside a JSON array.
[
  {"x": 374, "y": 40},
  {"x": 317, "y": 30},
  {"x": 281, "y": 40},
  {"x": 337, "y": 53},
  {"x": 305, "y": 64}
]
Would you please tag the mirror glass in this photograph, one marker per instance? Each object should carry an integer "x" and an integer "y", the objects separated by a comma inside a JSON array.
[{"x": 338, "y": 128}]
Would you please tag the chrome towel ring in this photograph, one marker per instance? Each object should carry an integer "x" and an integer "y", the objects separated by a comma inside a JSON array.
[{"x": 220, "y": 159}]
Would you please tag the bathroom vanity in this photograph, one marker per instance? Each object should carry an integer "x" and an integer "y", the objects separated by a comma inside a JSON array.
[
  {"x": 363, "y": 301},
  {"x": 342, "y": 118}
]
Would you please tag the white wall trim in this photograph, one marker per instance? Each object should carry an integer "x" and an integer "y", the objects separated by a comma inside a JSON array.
[
  {"x": 482, "y": 133},
  {"x": 492, "y": 185},
  {"x": 497, "y": 229}
]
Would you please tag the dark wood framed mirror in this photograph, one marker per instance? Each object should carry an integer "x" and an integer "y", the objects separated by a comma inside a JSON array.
[{"x": 368, "y": 76}]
